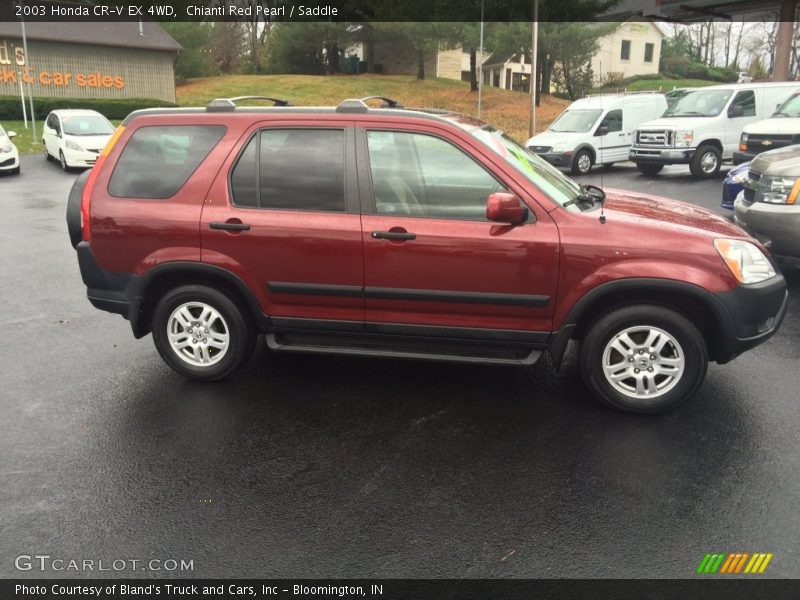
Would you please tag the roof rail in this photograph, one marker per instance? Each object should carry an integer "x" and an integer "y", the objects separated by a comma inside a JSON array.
[
  {"x": 359, "y": 105},
  {"x": 229, "y": 104},
  {"x": 623, "y": 92}
]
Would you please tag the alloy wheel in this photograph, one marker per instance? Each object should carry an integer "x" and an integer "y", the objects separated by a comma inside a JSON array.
[{"x": 643, "y": 362}]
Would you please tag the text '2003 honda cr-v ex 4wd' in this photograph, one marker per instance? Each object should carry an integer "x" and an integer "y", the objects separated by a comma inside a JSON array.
[{"x": 406, "y": 234}]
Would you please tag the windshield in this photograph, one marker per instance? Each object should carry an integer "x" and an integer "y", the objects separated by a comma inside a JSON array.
[
  {"x": 700, "y": 103},
  {"x": 790, "y": 108},
  {"x": 87, "y": 125},
  {"x": 2, "y": 132},
  {"x": 575, "y": 121},
  {"x": 546, "y": 177}
]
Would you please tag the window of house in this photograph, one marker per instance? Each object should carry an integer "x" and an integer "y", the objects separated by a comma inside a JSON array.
[
  {"x": 291, "y": 169},
  {"x": 648, "y": 52},
  {"x": 625, "y": 52},
  {"x": 420, "y": 175}
]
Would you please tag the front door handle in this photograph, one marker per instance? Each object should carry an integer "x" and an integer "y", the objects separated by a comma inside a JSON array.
[
  {"x": 230, "y": 225},
  {"x": 393, "y": 235}
]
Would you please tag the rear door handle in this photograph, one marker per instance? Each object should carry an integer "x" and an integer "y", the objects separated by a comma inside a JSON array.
[
  {"x": 229, "y": 226},
  {"x": 393, "y": 235}
]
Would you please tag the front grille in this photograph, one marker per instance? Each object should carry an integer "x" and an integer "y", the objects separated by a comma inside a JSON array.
[
  {"x": 757, "y": 143},
  {"x": 540, "y": 149},
  {"x": 657, "y": 138},
  {"x": 7, "y": 162},
  {"x": 749, "y": 194}
]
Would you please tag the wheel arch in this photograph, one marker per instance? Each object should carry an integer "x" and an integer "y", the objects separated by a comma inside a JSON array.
[
  {"x": 590, "y": 148},
  {"x": 168, "y": 276},
  {"x": 711, "y": 142},
  {"x": 699, "y": 305}
]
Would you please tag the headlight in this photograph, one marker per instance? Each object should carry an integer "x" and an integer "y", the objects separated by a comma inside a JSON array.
[
  {"x": 683, "y": 139},
  {"x": 739, "y": 177},
  {"x": 743, "y": 142},
  {"x": 778, "y": 190},
  {"x": 6, "y": 148},
  {"x": 72, "y": 145},
  {"x": 746, "y": 262}
]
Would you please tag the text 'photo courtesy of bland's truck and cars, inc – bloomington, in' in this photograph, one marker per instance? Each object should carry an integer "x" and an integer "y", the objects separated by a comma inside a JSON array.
[{"x": 444, "y": 308}]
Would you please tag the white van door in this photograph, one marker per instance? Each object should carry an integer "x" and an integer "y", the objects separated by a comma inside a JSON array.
[
  {"x": 741, "y": 112},
  {"x": 614, "y": 145}
]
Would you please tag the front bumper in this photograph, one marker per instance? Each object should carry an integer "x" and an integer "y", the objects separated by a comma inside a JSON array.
[
  {"x": 777, "y": 226},
  {"x": 558, "y": 159},
  {"x": 80, "y": 158},
  {"x": 742, "y": 157},
  {"x": 754, "y": 313},
  {"x": 661, "y": 156},
  {"x": 9, "y": 161}
]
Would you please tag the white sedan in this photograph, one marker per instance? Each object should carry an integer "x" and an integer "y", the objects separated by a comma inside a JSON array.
[
  {"x": 9, "y": 155},
  {"x": 75, "y": 137}
]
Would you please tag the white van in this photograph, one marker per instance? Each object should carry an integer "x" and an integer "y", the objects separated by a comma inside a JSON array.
[
  {"x": 703, "y": 128},
  {"x": 781, "y": 129},
  {"x": 596, "y": 130}
]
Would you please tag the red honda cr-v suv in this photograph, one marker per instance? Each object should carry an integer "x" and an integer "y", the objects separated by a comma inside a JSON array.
[{"x": 406, "y": 234}]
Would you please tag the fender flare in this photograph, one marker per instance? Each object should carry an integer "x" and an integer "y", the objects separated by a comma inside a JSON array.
[
  {"x": 179, "y": 267},
  {"x": 561, "y": 337}
]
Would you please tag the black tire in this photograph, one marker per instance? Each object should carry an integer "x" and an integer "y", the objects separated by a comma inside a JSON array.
[
  {"x": 582, "y": 162},
  {"x": 241, "y": 331},
  {"x": 63, "y": 161},
  {"x": 706, "y": 156},
  {"x": 649, "y": 169},
  {"x": 47, "y": 156},
  {"x": 601, "y": 333}
]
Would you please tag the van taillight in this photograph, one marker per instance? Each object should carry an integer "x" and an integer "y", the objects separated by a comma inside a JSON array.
[{"x": 86, "y": 197}]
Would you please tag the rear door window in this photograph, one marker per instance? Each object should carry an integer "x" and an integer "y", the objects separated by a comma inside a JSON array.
[
  {"x": 157, "y": 161},
  {"x": 291, "y": 169}
]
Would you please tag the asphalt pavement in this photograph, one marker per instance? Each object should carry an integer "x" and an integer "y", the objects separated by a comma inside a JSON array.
[{"x": 309, "y": 466}]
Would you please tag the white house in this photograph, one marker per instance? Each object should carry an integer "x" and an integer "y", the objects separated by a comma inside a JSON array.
[{"x": 633, "y": 48}]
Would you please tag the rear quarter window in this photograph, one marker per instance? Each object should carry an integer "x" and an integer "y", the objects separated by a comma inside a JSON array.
[{"x": 157, "y": 161}]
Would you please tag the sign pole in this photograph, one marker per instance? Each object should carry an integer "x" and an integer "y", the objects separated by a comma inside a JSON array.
[
  {"x": 22, "y": 99},
  {"x": 25, "y": 66}
]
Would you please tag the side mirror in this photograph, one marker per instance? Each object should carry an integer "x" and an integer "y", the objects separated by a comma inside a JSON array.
[
  {"x": 602, "y": 130},
  {"x": 735, "y": 110},
  {"x": 11, "y": 134},
  {"x": 503, "y": 207}
]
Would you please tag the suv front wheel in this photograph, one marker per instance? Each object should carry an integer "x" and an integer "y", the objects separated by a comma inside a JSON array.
[
  {"x": 201, "y": 333},
  {"x": 643, "y": 358}
]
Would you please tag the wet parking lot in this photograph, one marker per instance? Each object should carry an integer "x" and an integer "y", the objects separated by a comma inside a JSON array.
[{"x": 309, "y": 466}]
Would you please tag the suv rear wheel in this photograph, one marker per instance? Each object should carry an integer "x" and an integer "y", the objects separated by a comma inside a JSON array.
[
  {"x": 201, "y": 333},
  {"x": 644, "y": 359}
]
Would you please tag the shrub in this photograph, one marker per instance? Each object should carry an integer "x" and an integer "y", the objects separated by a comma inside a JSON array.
[{"x": 11, "y": 107}]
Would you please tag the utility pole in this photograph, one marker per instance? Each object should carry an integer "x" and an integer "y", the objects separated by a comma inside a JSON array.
[
  {"x": 480, "y": 65},
  {"x": 534, "y": 53}
]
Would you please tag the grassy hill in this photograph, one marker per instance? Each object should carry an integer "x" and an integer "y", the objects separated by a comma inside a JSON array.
[{"x": 504, "y": 109}]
